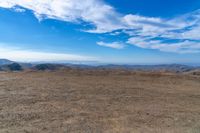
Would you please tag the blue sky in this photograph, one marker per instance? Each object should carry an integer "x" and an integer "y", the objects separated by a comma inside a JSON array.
[{"x": 109, "y": 31}]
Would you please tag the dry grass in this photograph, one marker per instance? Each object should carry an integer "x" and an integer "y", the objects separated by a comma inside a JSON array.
[{"x": 99, "y": 102}]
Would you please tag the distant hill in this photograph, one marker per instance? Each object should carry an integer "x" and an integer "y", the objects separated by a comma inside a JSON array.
[
  {"x": 5, "y": 62},
  {"x": 11, "y": 67},
  {"x": 43, "y": 67},
  {"x": 195, "y": 72}
]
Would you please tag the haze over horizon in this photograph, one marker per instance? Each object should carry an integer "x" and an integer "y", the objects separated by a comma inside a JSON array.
[{"x": 101, "y": 31}]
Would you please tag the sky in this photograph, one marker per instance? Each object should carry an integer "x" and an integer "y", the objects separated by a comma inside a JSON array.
[{"x": 101, "y": 31}]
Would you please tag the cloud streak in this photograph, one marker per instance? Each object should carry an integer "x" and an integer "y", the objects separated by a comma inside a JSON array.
[
  {"x": 176, "y": 47},
  {"x": 115, "y": 45},
  {"x": 144, "y": 32},
  {"x": 32, "y": 56}
]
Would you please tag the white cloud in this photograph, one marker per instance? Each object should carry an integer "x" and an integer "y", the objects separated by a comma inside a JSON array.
[
  {"x": 26, "y": 55},
  {"x": 115, "y": 45},
  {"x": 193, "y": 33},
  {"x": 102, "y": 16},
  {"x": 177, "y": 47},
  {"x": 157, "y": 27},
  {"x": 19, "y": 9},
  {"x": 143, "y": 42},
  {"x": 183, "y": 36},
  {"x": 105, "y": 19},
  {"x": 6, "y": 4}
]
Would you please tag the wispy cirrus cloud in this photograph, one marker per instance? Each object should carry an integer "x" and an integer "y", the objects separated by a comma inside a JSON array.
[
  {"x": 182, "y": 32},
  {"x": 115, "y": 45},
  {"x": 102, "y": 16},
  {"x": 185, "y": 46},
  {"x": 179, "y": 35}
]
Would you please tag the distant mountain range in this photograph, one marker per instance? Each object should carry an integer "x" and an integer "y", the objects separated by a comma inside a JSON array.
[
  {"x": 164, "y": 67},
  {"x": 7, "y": 65},
  {"x": 5, "y": 62}
]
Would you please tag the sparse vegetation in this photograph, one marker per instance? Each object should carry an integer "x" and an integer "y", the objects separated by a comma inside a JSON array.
[
  {"x": 11, "y": 67},
  {"x": 14, "y": 67},
  {"x": 98, "y": 101},
  {"x": 43, "y": 67}
]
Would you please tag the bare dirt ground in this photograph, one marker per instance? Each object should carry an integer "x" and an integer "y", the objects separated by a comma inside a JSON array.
[{"x": 99, "y": 102}]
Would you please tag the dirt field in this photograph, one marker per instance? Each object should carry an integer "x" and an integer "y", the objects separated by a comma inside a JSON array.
[{"x": 99, "y": 102}]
